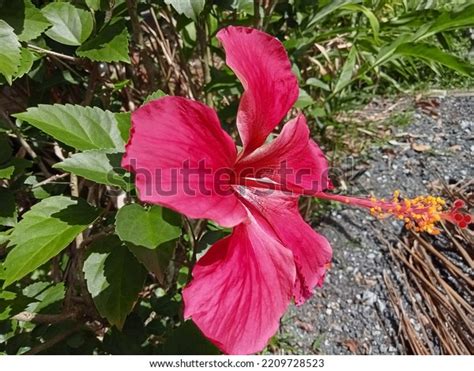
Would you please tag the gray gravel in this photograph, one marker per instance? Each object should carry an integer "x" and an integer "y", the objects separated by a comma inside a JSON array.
[{"x": 351, "y": 313}]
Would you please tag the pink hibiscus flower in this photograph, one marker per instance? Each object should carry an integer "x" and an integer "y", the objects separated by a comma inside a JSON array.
[
  {"x": 244, "y": 283},
  {"x": 184, "y": 160}
]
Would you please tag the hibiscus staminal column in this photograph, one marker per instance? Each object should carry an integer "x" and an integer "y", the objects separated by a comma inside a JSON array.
[{"x": 420, "y": 214}]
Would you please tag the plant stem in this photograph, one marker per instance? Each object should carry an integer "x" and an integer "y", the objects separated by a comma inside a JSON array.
[
  {"x": 91, "y": 85},
  {"x": 26, "y": 146},
  {"x": 50, "y": 52},
  {"x": 182, "y": 58},
  {"x": 54, "y": 340},
  {"x": 44, "y": 318},
  {"x": 268, "y": 13},
  {"x": 194, "y": 236},
  {"x": 51, "y": 179},
  {"x": 256, "y": 13},
  {"x": 138, "y": 39},
  {"x": 206, "y": 59}
]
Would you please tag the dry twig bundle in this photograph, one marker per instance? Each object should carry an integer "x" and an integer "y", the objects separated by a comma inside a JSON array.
[{"x": 435, "y": 308}]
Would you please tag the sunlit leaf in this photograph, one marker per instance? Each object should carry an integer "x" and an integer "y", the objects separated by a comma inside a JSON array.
[
  {"x": 109, "y": 45},
  {"x": 433, "y": 54},
  {"x": 328, "y": 9},
  {"x": 304, "y": 99},
  {"x": 451, "y": 20},
  {"x": 347, "y": 71},
  {"x": 27, "y": 20},
  {"x": 80, "y": 127},
  {"x": 374, "y": 22},
  {"x": 124, "y": 122},
  {"x": 147, "y": 227},
  {"x": 47, "y": 297},
  {"x": 44, "y": 232},
  {"x": 98, "y": 4},
  {"x": 157, "y": 94},
  {"x": 71, "y": 25},
  {"x": 10, "y": 51},
  {"x": 190, "y": 8},
  {"x": 100, "y": 166},
  {"x": 317, "y": 83},
  {"x": 7, "y": 171},
  {"x": 26, "y": 62}
]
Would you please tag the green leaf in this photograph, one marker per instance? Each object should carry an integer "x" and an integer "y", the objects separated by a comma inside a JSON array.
[
  {"x": 10, "y": 51},
  {"x": 80, "y": 127},
  {"x": 328, "y": 9},
  {"x": 124, "y": 123},
  {"x": 100, "y": 166},
  {"x": 155, "y": 261},
  {"x": 93, "y": 4},
  {"x": 190, "y": 8},
  {"x": 114, "y": 279},
  {"x": 4, "y": 238},
  {"x": 387, "y": 51},
  {"x": 451, "y": 20},
  {"x": 109, "y": 45},
  {"x": 6, "y": 150},
  {"x": 150, "y": 234},
  {"x": 41, "y": 191},
  {"x": 48, "y": 296},
  {"x": 240, "y": 5},
  {"x": 304, "y": 99},
  {"x": 188, "y": 340},
  {"x": 318, "y": 83},
  {"x": 25, "y": 18},
  {"x": 210, "y": 238},
  {"x": 157, "y": 94},
  {"x": 147, "y": 227},
  {"x": 347, "y": 71},
  {"x": 35, "y": 23},
  {"x": 13, "y": 167},
  {"x": 374, "y": 23},
  {"x": 98, "y": 4},
  {"x": 26, "y": 62},
  {"x": 71, "y": 26},
  {"x": 7, "y": 171},
  {"x": 12, "y": 303},
  {"x": 45, "y": 230},
  {"x": 8, "y": 212},
  {"x": 431, "y": 53},
  {"x": 35, "y": 289}
]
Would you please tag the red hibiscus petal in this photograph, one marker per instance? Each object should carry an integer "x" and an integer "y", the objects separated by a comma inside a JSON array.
[
  {"x": 292, "y": 160},
  {"x": 241, "y": 288},
  {"x": 176, "y": 147},
  {"x": 262, "y": 65},
  {"x": 311, "y": 251}
]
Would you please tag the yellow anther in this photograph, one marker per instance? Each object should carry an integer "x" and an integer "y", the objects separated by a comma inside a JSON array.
[{"x": 419, "y": 213}]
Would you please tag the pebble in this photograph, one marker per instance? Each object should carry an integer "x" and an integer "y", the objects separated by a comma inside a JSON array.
[{"x": 369, "y": 297}]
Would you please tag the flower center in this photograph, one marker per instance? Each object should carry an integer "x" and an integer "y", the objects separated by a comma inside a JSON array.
[{"x": 420, "y": 214}]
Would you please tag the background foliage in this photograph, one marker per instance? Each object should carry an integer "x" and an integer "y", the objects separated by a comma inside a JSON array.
[{"x": 86, "y": 268}]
